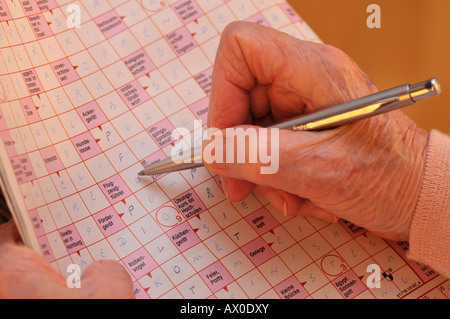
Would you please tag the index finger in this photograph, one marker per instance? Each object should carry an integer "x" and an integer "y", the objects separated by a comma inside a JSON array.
[
  {"x": 237, "y": 70},
  {"x": 296, "y": 76}
]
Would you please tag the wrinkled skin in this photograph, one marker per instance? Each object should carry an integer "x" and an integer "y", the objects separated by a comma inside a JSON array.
[
  {"x": 368, "y": 173},
  {"x": 25, "y": 274}
]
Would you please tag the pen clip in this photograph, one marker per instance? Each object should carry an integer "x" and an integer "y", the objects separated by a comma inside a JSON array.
[{"x": 348, "y": 117}]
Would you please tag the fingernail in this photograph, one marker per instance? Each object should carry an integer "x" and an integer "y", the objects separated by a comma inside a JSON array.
[
  {"x": 285, "y": 209},
  {"x": 223, "y": 183},
  {"x": 279, "y": 202},
  {"x": 213, "y": 145}
]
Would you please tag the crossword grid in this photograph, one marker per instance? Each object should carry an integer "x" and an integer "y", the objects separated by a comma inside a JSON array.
[{"x": 82, "y": 110}]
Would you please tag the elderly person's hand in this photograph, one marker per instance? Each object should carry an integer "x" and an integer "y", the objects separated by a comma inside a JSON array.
[
  {"x": 368, "y": 173},
  {"x": 25, "y": 274}
]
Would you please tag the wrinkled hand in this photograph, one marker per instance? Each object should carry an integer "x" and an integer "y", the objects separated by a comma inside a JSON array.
[
  {"x": 25, "y": 274},
  {"x": 368, "y": 173}
]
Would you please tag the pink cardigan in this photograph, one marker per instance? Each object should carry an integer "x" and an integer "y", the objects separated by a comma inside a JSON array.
[{"x": 429, "y": 239}]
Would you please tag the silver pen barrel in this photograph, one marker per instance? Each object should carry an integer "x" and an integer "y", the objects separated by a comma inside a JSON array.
[
  {"x": 329, "y": 118},
  {"x": 371, "y": 105}
]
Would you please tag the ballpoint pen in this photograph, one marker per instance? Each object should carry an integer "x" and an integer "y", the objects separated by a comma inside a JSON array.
[{"x": 329, "y": 118}]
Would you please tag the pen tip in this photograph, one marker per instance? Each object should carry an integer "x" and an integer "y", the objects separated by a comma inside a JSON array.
[{"x": 141, "y": 173}]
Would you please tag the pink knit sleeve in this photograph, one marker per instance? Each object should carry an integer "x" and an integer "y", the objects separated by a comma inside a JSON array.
[{"x": 429, "y": 241}]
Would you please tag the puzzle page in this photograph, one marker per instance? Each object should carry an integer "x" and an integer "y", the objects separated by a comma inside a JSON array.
[{"x": 92, "y": 91}]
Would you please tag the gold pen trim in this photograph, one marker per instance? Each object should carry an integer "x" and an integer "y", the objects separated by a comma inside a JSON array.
[{"x": 344, "y": 116}]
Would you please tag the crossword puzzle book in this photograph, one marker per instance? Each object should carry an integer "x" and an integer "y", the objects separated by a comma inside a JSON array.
[{"x": 90, "y": 93}]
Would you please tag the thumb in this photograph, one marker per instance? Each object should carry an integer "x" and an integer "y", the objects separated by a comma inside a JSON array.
[
  {"x": 106, "y": 279},
  {"x": 281, "y": 159}
]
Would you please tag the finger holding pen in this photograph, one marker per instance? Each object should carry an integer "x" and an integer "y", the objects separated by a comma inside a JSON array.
[{"x": 262, "y": 74}]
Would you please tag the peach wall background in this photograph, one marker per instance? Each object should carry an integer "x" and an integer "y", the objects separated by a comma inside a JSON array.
[{"x": 412, "y": 45}]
